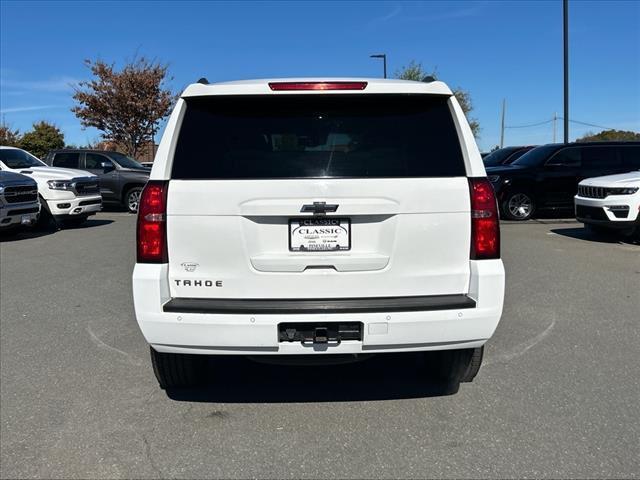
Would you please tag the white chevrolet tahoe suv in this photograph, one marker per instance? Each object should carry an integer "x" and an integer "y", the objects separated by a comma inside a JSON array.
[
  {"x": 68, "y": 196},
  {"x": 315, "y": 218},
  {"x": 610, "y": 203}
]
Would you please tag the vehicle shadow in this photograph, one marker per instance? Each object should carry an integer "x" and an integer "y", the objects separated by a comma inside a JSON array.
[
  {"x": 36, "y": 232},
  {"x": 90, "y": 223},
  {"x": 383, "y": 377},
  {"x": 591, "y": 236},
  {"x": 17, "y": 235}
]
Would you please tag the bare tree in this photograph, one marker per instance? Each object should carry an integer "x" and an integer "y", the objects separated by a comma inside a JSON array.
[{"x": 126, "y": 105}]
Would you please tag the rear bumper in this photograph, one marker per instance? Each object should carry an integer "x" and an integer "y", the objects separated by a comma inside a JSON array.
[{"x": 246, "y": 328}]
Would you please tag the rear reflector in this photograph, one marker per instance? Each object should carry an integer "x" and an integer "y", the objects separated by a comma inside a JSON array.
[
  {"x": 279, "y": 86},
  {"x": 152, "y": 231},
  {"x": 485, "y": 224}
]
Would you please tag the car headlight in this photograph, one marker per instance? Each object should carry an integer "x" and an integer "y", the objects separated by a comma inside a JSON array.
[
  {"x": 622, "y": 191},
  {"x": 1, "y": 189},
  {"x": 494, "y": 178},
  {"x": 60, "y": 184}
]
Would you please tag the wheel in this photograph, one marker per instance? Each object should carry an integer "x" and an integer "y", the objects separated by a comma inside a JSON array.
[
  {"x": 176, "y": 370},
  {"x": 454, "y": 366},
  {"x": 474, "y": 365},
  {"x": 518, "y": 205},
  {"x": 132, "y": 199},
  {"x": 45, "y": 219}
]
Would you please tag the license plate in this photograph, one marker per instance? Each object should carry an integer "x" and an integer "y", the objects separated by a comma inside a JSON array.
[
  {"x": 25, "y": 220},
  {"x": 322, "y": 234}
]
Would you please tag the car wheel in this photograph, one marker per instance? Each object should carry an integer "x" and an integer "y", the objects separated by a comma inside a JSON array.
[
  {"x": 176, "y": 370},
  {"x": 474, "y": 365},
  {"x": 450, "y": 367},
  {"x": 518, "y": 206},
  {"x": 46, "y": 221},
  {"x": 132, "y": 199}
]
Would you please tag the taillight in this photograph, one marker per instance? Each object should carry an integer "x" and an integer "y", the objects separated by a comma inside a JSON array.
[
  {"x": 152, "y": 223},
  {"x": 485, "y": 224},
  {"x": 278, "y": 86}
]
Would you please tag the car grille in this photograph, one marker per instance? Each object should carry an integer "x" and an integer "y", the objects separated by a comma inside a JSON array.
[
  {"x": 592, "y": 192},
  {"x": 21, "y": 194},
  {"x": 593, "y": 213},
  {"x": 87, "y": 187}
]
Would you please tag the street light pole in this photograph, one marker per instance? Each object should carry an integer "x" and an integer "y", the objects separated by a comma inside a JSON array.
[
  {"x": 383, "y": 56},
  {"x": 565, "y": 15}
]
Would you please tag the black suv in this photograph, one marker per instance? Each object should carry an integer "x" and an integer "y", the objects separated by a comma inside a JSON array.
[
  {"x": 505, "y": 156},
  {"x": 547, "y": 176},
  {"x": 121, "y": 177}
]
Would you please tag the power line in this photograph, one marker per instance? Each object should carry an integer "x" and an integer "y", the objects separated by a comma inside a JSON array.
[
  {"x": 559, "y": 118},
  {"x": 530, "y": 124}
]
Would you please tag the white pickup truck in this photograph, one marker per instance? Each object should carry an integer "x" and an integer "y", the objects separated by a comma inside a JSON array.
[{"x": 68, "y": 196}]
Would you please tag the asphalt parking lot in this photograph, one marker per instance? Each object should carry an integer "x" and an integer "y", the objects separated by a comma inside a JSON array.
[{"x": 557, "y": 395}]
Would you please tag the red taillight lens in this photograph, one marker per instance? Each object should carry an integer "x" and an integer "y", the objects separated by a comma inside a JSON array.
[
  {"x": 485, "y": 224},
  {"x": 278, "y": 86},
  {"x": 152, "y": 231}
]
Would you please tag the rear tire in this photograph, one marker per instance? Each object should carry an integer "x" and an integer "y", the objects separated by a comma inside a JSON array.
[
  {"x": 176, "y": 370},
  {"x": 451, "y": 367},
  {"x": 474, "y": 365},
  {"x": 518, "y": 205}
]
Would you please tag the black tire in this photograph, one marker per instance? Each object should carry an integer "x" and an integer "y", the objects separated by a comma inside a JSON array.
[
  {"x": 132, "y": 199},
  {"x": 450, "y": 367},
  {"x": 474, "y": 365},
  {"x": 175, "y": 370},
  {"x": 46, "y": 221},
  {"x": 518, "y": 205}
]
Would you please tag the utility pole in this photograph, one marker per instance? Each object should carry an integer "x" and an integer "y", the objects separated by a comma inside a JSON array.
[
  {"x": 504, "y": 107},
  {"x": 383, "y": 56},
  {"x": 565, "y": 15},
  {"x": 555, "y": 117}
]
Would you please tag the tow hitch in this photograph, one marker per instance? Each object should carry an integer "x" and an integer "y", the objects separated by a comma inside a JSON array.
[{"x": 319, "y": 333}]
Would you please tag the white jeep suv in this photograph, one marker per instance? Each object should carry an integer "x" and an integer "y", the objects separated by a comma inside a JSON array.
[
  {"x": 610, "y": 203},
  {"x": 66, "y": 195},
  {"x": 313, "y": 218}
]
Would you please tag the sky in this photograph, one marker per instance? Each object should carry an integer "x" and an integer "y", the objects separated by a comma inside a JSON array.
[{"x": 496, "y": 50}]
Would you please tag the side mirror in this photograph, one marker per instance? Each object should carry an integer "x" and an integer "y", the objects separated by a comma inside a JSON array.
[{"x": 107, "y": 166}]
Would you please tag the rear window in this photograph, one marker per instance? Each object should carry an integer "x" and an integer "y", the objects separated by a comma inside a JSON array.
[{"x": 317, "y": 136}]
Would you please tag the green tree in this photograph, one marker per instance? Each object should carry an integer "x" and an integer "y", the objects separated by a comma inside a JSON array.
[
  {"x": 414, "y": 71},
  {"x": 8, "y": 136},
  {"x": 43, "y": 137},
  {"x": 610, "y": 135},
  {"x": 126, "y": 105}
]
